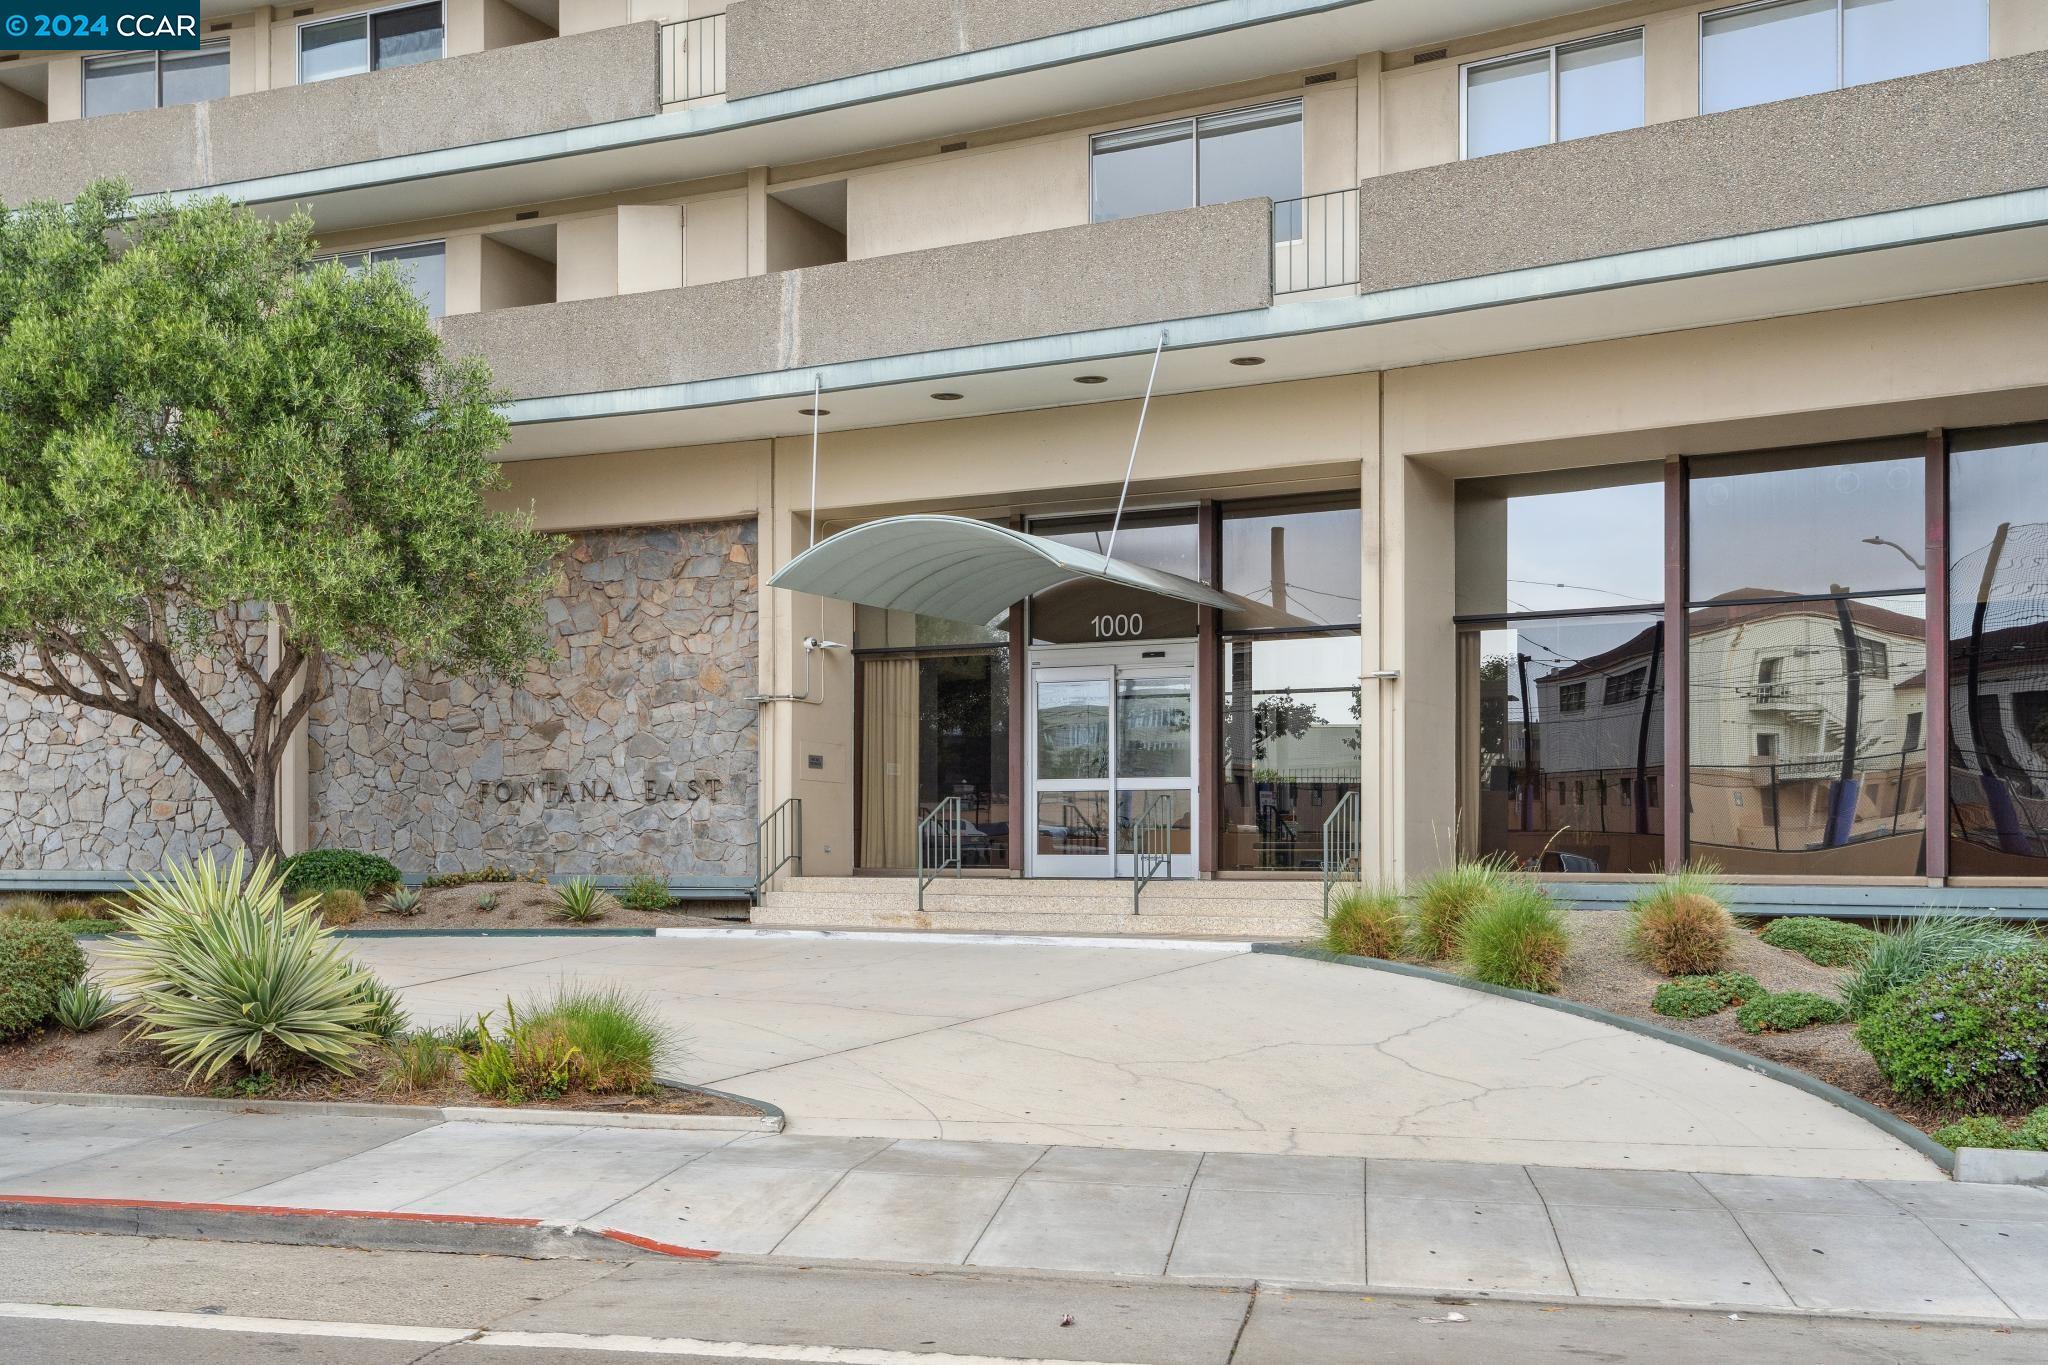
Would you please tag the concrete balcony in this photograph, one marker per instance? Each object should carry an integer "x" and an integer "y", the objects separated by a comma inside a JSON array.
[
  {"x": 780, "y": 44},
  {"x": 1042, "y": 284},
  {"x": 1948, "y": 135},
  {"x": 539, "y": 87}
]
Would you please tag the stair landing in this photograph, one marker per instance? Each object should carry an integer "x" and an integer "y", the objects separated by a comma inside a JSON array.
[{"x": 1278, "y": 910}]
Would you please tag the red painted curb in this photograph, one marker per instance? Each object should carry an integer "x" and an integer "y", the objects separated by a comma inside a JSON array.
[
  {"x": 665, "y": 1248},
  {"x": 269, "y": 1210}
]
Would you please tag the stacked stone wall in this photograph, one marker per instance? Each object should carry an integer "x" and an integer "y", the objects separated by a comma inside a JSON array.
[{"x": 635, "y": 750}]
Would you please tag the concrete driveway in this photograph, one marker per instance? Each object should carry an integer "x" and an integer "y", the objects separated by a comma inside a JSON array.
[{"x": 1192, "y": 1048}]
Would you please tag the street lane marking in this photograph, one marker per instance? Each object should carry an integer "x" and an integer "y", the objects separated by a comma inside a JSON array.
[
  {"x": 556, "y": 1341},
  {"x": 222, "y": 1322}
]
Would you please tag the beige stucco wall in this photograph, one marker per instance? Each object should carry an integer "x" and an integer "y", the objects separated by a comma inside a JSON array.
[
  {"x": 1956, "y": 360},
  {"x": 17, "y": 109},
  {"x": 511, "y": 278},
  {"x": 715, "y": 239},
  {"x": 636, "y": 487},
  {"x": 796, "y": 240},
  {"x": 968, "y": 196}
]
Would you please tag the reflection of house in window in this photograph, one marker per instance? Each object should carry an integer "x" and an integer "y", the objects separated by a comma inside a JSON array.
[
  {"x": 1874, "y": 656},
  {"x": 1766, "y": 744},
  {"x": 1912, "y": 730},
  {"x": 1768, "y": 686},
  {"x": 1571, "y": 698}
]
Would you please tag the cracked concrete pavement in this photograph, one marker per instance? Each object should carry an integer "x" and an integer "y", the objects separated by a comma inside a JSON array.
[{"x": 1199, "y": 1049}]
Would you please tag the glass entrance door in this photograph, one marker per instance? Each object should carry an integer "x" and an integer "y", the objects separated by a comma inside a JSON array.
[{"x": 1113, "y": 744}]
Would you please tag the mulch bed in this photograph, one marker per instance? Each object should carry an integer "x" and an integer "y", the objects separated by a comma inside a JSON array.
[
  {"x": 107, "y": 1062},
  {"x": 527, "y": 905},
  {"x": 1603, "y": 973}
]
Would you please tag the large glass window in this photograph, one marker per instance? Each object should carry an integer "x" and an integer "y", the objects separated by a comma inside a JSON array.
[
  {"x": 1290, "y": 749},
  {"x": 1560, "y": 716},
  {"x": 934, "y": 726},
  {"x": 1785, "y": 48},
  {"x": 1575, "y": 540},
  {"x": 1236, "y": 154},
  {"x": 1998, "y": 652},
  {"x": 370, "y": 42},
  {"x": 1806, "y": 661},
  {"x": 125, "y": 82},
  {"x": 423, "y": 264},
  {"x": 1089, "y": 610},
  {"x": 1291, "y": 566},
  {"x": 1554, "y": 94}
]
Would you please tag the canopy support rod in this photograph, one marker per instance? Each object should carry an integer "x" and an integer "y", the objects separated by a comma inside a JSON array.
[
  {"x": 1131, "y": 466},
  {"x": 817, "y": 395}
]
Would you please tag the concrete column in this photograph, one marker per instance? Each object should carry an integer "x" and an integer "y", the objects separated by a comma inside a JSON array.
[
  {"x": 1368, "y": 138},
  {"x": 249, "y": 54},
  {"x": 581, "y": 16},
  {"x": 757, "y": 221},
  {"x": 294, "y": 806},
  {"x": 463, "y": 275},
  {"x": 650, "y": 247},
  {"x": 2018, "y": 26},
  {"x": 1671, "y": 66},
  {"x": 65, "y": 95}
]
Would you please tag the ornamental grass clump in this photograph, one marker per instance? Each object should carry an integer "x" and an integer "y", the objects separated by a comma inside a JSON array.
[
  {"x": 1365, "y": 921},
  {"x": 1968, "y": 1034},
  {"x": 1696, "y": 997},
  {"x": 1443, "y": 901},
  {"x": 1789, "y": 1010},
  {"x": 1823, "y": 942},
  {"x": 1909, "y": 951},
  {"x": 1518, "y": 938},
  {"x": 601, "y": 1040},
  {"x": 39, "y": 961},
  {"x": 341, "y": 907},
  {"x": 226, "y": 974},
  {"x": 1680, "y": 928}
]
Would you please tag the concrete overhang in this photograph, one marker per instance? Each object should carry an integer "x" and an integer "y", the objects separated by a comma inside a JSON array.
[
  {"x": 963, "y": 570},
  {"x": 1909, "y": 253},
  {"x": 1203, "y": 45}
]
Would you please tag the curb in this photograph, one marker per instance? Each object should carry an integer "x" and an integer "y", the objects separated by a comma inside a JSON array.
[
  {"x": 1798, "y": 1080},
  {"x": 354, "y": 1229},
  {"x": 539, "y": 932},
  {"x": 771, "y": 1119},
  {"x": 958, "y": 936}
]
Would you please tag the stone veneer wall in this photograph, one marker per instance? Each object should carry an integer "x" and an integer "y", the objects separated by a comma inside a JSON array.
[
  {"x": 635, "y": 750},
  {"x": 85, "y": 791}
]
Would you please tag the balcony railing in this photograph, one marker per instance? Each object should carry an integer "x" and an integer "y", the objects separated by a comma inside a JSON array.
[
  {"x": 693, "y": 58},
  {"x": 1315, "y": 241}
]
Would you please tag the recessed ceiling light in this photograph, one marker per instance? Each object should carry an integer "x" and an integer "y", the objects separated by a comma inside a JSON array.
[
  {"x": 1091, "y": 379},
  {"x": 814, "y": 412},
  {"x": 1247, "y": 360},
  {"x": 948, "y": 397}
]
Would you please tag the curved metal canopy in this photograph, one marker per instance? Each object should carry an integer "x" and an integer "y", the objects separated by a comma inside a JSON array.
[{"x": 962, "y": 569}]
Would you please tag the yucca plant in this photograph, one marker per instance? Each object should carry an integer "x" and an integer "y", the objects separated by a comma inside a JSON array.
[
  {"x": 580, "y": 901},
  {"x": 224, "y": 971},
  {"x": 82, "y": 1006}
]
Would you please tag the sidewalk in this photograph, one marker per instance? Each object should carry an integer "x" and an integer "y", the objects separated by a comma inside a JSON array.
[{"x": 1919, "y": 1248}]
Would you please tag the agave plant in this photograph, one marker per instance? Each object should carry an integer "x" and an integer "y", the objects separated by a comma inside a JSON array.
[
  {"x": 404, "y": 901},
  {"x": 580, "y": 901},
  {"x": 223, "y": 970},
  {"x": 82, "y": 1005}
]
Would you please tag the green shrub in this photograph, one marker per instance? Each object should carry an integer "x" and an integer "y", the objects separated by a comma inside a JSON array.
[
  {"x": 1824, "y": 942},
  {"x": 1789, "y": 1010},
  {"x": 82, "y": 1006},
  {"x": 1695, "y": 997},
  {"x": 38, "y": 960},
  {"x": 618, "y": 1036},
  {"x": 329, "y": 869},
  {"x": 403, "y": 901},
  {"x": 485, "y": 902},
  {"x": 579, "y": 901},
  {"x": 1444, "y": 899},
  {"x": 1681, "y": 928},
  {"x": 1907, "y": 952},
  {"x": 645, "y": 891},
  {"x": 1985, "y": 1130},
  {"x": 419, "y": 1061},
  {"x": 1365, "y": 922},
  {"x": 1518, "y": 938},
  {"x": 225, "y": 972},
  {"x": 342, "y": 907},
  {"x": 1970, "y": 1033}
]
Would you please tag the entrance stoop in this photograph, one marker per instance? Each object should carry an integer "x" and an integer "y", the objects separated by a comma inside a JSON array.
[{"x": 1285, "y": 910}]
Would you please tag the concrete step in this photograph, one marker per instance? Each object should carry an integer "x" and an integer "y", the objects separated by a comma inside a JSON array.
[
  {"x": 937, "y": 897},
  {"x": 1284, "y": 928},
  {"x": 1298, "y": 891}
]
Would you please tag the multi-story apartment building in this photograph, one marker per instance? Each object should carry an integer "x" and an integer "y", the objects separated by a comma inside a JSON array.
[{"x": 1681, "y": 366}]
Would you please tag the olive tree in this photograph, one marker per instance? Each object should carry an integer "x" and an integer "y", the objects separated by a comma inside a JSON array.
[{"x": 225, "y": 469}]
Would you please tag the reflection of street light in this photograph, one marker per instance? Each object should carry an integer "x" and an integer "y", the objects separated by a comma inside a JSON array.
[{"x": 1880, "y": 540}]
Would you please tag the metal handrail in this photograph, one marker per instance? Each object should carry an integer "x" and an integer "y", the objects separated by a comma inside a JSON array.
[
  {"x": 1342, "y": 845},
  {"x": 940, "y": 837},
  {"x": 693, "y": 58},
  {"x": 1315, "y": 241},
  {"x": 781, "y": 830},
  {"x": 1151, "y": 847}
]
